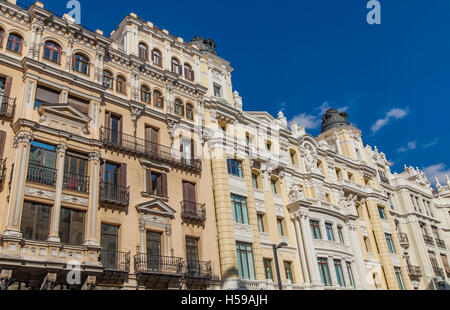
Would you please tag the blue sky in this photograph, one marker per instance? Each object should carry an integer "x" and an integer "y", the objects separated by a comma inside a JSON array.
[{"x": 303, "y": 56}]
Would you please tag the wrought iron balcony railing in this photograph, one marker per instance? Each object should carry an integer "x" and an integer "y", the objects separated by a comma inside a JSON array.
[
  {"x": 7, "y": 107},
  {"x": 114, "y": 194},
  {"x": 428, "y": 240},
  {"x": 414, "y": 272},
  {"x": 144, "y": 263},
  {"x": 193, "y": 211},
  {"x": 115, "y": 261},
  {"x": 2, "y": 170},
  {"x": 198, "y": 269},
  {"x": 147, "y": 149},
  {"x": 41, "y": 175},
  {"x": 438, "y": 272},
  {"x": 441, "y": 243},
  {"x": 76, "y": 182}
]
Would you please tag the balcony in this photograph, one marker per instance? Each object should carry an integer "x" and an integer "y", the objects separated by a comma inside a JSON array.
[
  {"x": 193, "y": 211},
  {"x": 438, "y": 272},
  {"x": 114, "y": 194},
  {"x": 114, "y": 261},
  {"x": 441, "y": 243},
  {"x": 41, "y": 175},
  {"x": 7, "y": 107},
  {"x": 428, "y": 240},
  {"x": 384, "y": 180},
  {"x": 147, "y": 149},
  {"x": 75, "y": 182},
  {"x": 2, "y": 170},
  {"x": 414, "y": 273},
  {"x": 198, "y": 270},
  {"x": 403, "y": 240},
  {"x": 158, "y": 271}
]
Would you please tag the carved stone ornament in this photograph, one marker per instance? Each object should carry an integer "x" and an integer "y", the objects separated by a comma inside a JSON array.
[{"x": 295, "y": 193}]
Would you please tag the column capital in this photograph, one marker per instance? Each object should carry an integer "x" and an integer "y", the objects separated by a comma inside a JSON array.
[
  {"x": 303, "y": 213},
  {"x": 62, "y": 148},
  {"x": 22, "y": 137},
  {"x": 95, "y": 156}
]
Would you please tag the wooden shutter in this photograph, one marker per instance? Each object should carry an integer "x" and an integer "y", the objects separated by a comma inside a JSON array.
[
  {"x": 191, "y": 189},
  {"x": 148, "y": 176},
  {"x": 164, "y": 191},
  {"x": 148, "y": 139},
  {"x": 73, "y": 62},
  {"x": 107, "y": 126},
  {"x": 123, "y": 175},
  {"x": 47, "y": 95},
  {"x": 192, "y": 148},
  {"x": 2, "y": 143},
  {"x": 7, "y": 90},
  {"x": 79, "y": 104}
]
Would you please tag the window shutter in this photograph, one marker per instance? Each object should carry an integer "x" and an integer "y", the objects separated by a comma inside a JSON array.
[
  {"x": 47, "y": 95},
  {"x": 2, "y": 143},
  {"x": 79, "y": 104},
  {"x": 73, "y": 62},
  {"x": 148, "y": 176},
  {"x": 7, "y": 90},
  {"x": 148, "y": 139},
  {"x": 123, "y": 175},
  {"x": 191, "y": 192},
  {"x": 107, "y": 126},
  {"x": 192, "y": 148},
  {"x": 164, "y": 191},
  {"x": 102, "y": 174},
  {"x": 185, "y": 191}
]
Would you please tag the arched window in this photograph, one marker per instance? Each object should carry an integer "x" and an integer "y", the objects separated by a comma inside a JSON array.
[
  {"x": 145, "y": 94},
  {"x": 2, "y": 35},
  {"x": 157, "y": 58},
  {"x": 121, "y": 85},
  {"x": 176, "y": 68},
  {"x": 188, "y": 73},
  {"x": 107, "y": 79},
  {"x": 190, "y": 111},
  {"x": 158, "y": 100},
  {"x": 143, "y": 51},
  {"x": 52, "y": 52},
  {"x": 179, "y": 107},
  {"x": 80, "y": 63},
  {"x": 15, "y": 43}
]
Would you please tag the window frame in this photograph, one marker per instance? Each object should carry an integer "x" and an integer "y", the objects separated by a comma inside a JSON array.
[
  {"x": 110, "y": 77},
  {"x": 141, "y": 47},
  {"x": 330, "y": 232},
  {"x": 239, "y": 209},
  {"x": 54, "y": 48},
  {"x": 237, "y": 166},
  {"x": 156, "y": 52},
  {"x": 190, "y": 111},
  {"x": 324, "y": 271},
  {"x": 86, "y": 61},
  {"x": 176, "y": 66},
  {"x": 179, "y": 105},
  {"x": 158, "y": 99},
  {"x": 122, "y": 82},
  {"x": 267, "y": 262},
  {"x": 188, "y": 72},
  {"x": 315, "y": 229},
  {"x": 16, "y": 40},
  {"x": 245, "y": 251},
  {"x": 38, "y": 223},
  {"x": 144, "y": 94}
]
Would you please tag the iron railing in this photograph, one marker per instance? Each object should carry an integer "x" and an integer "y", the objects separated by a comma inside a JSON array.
[
  {"x": 158, "y": 264},
  {"x": 428, "y": 240},
  {"x": 439, "y": 272},
  {"x": 441, "y": 243},
  {"x": 414, "y": 272},
  {"x": 2, "y": 170},
  {"x": 41, "y": 175},
  {"x": 115, "y": 261},
  {"x": 114, "y": 194},
  {"x": 147, "y": 149},
  {"x": 76, "y": 182},
  {"x": 7, "y": 107},
  {"x": 198, "y": 269},
  {"x": 193, "y": 210}
]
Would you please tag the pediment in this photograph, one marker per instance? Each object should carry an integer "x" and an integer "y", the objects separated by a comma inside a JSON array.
[
  {"x": 63, "y": 111},
  {"x": 156, "y": 207}
]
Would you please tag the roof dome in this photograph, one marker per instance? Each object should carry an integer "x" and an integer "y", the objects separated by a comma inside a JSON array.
[{"x": 333, "y": 119}]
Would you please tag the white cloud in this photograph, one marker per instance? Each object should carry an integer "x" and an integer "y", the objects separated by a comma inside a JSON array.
[
  {"x": 312, "y": 121},
  {"x": 431, "y": 144},
  {"x": 395, "y": 113},
  {"x": 411, "y": 146},
  {"x": 437, "y": 171}
]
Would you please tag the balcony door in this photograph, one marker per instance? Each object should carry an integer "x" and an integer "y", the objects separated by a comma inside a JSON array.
[
  {"x": 192, "y": 258},
  {"x": 189, "y": 198},
  {"x": 152, "y": 141},
  {"x": 109, "y": 244},
  {"x": 42, "y": 163},
  {"x": 187, "y": 151},
  {"x": 75, "y": 172},
  {"x": 113, "y": 130},
  {"x": 154, "y": 261}
]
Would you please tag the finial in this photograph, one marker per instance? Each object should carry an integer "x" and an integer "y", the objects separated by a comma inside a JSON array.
[
  {"x": 437, "y": 182},
  {"x": 447, "y": 179}
]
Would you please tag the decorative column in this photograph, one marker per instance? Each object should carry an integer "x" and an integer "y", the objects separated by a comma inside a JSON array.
[
  {"x": 332, "y": 271},
  {"x": 361, "y": 274},
  {"x": 69, "y": 53},
  {"x": 309, "y": 248},
  {"x": 14, "y": 215},
  {"x": 301, "y": 249},
  {"x": 92, "y": 235},
  {"x": 168, "y": 231},
  {"x": 56, "y": 210}
]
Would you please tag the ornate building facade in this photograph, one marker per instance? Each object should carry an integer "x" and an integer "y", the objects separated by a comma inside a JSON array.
[{"x": 130, "y": 160}]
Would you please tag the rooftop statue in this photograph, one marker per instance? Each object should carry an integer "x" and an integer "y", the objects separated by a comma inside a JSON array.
[{"x": 205, "y": 45}]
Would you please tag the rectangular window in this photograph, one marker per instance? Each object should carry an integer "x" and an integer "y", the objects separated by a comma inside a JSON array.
[
  {"x": 255, "y": 181},
  {"x": 45, "y": 95},
  {"x": 153, "y": 251},
  {"x": 324, "y": 271},
  {"x": 268, "y": 268},
  {"x": 398, "y": 274},
  {"x": 217, "y": 91},
  {"x": 329, "y": 229},
  {"x": 292, "y": 154},
  {"x": 42, "y": 155},
  {"x": 75, "y": 172},
  {"x": 274, "y": 186},
  {"x": 245, "y": 260},
  {"x": 341, "y": 235},
  {"x": 315, "y": 229},
  {"x": 390, "y": 243},
  {"x": 239, "y": 206},
  {"x": 79, "y": 104},
  {"x": 288, "y": 271},
  {"x": 235, "y": 168},
  {"x": 350, "y": 274},
  {"x": 260, "y": 223},
  {"x": 339, "y": 273},
  {"x": 35, "y": 221},
  {"x": 382, "y": 213},
  {"x": 71, "y": 226},
  {"x": 192, "y": 250},
  {"x": 109, "y": 241},
  {"x": 280, "y": 227}
]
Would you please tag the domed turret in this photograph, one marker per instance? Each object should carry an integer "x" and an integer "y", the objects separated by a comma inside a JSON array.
[{"x": 333, "y": 118}]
